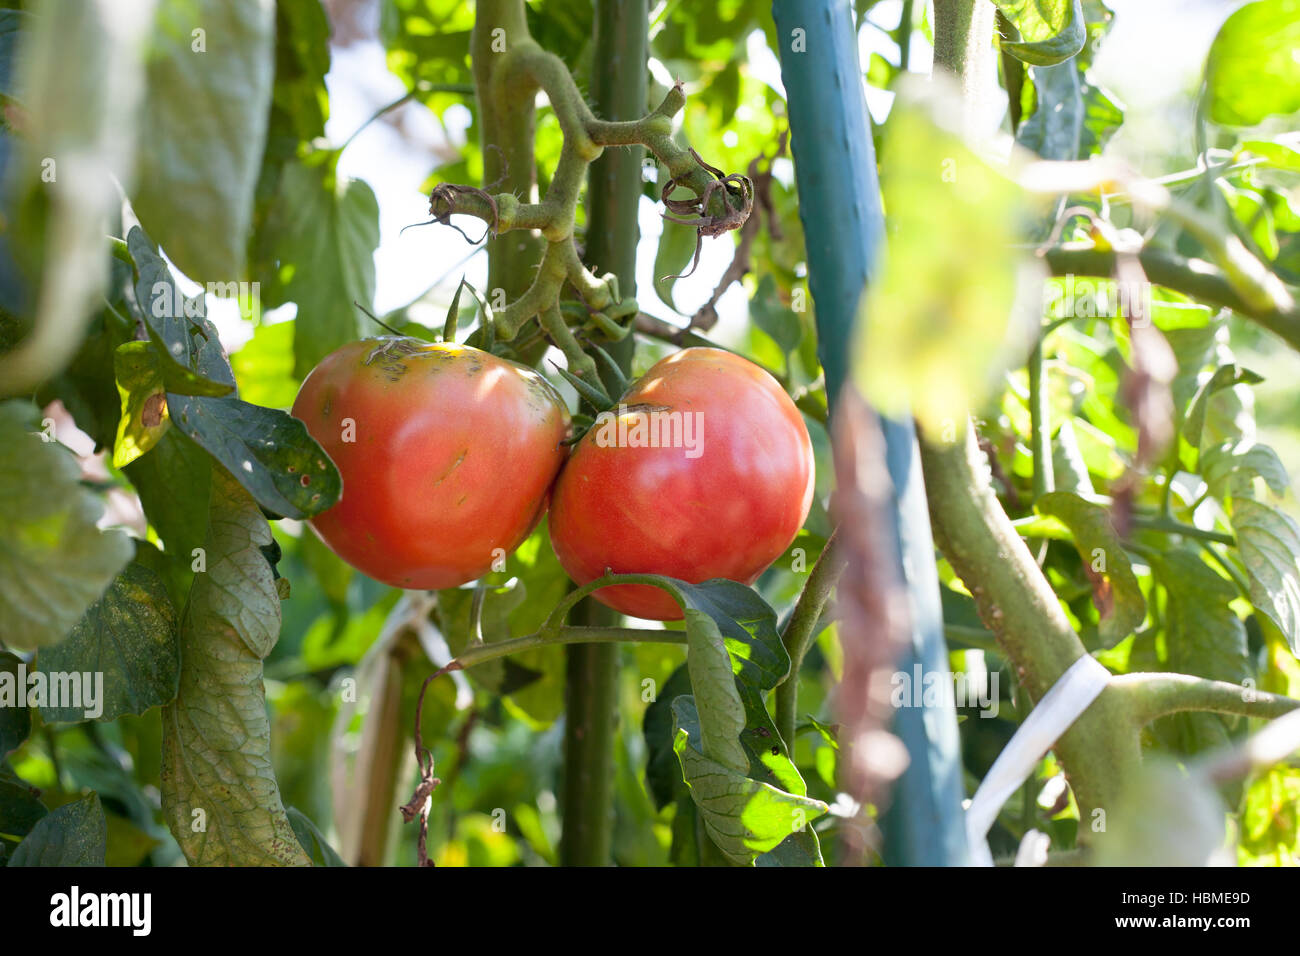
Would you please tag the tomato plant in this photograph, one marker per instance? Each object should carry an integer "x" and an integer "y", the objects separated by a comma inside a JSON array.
[
  {"x": 811, "y": 478},
  {"x": 447, "y": 455},
  {"x": 703, "y": 432}
]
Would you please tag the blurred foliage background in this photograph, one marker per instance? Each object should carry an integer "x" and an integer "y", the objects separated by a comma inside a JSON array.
[{"x": 372, "y": 106}]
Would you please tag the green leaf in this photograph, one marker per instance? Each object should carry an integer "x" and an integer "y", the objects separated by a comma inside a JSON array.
[
  {"x": 1069, "y": 469},
  {"x": 663, "y": 773},
  {"x": 129, "y": 638},
  {"x": 1252, "y": 71},
  {"x": 312, "y": 840},
  {"x": 187, "y": 344},
  {"x": 1055, "y": 128},
  {"x": 1051, "y": 31},
  {"x": 1268, "y": 541},
  {"x": 300, "y": 99},
  {"x": 210, "y": 69},
  {"x": 173, "y": 482},
  {"x": 937, "y": 330},
  {"x": 219, "y": 792},
  {"x": 1230, "y": 469},
  {"x": 758, "y": 660},
  {"x": 1269, "y": 834},
  {"x": 271, "y": 452},
  {"x": 15, "y": 718},
  {"x": 774, "y": 317},
  {"x": 144, "y": 401},
  {"x": 1279, "y": 155},
  {"x": 743, "y": 817},
  {"x": 75, "y": 834},
  {"x": 1115, "y": 589},
  {"x": 714, "y": 689},
  {"x": 1204, "y": 636},
  {"x": 54, "y": 562},
  {"x": 1102, "y": 116},
  {"x": 20, "y": 807},
  {"x": 676, "y": 249},
  {"x": 1226, "y": 376},
  {"x": 323, "y": 230},
  {"x": 264, "y": 366}
]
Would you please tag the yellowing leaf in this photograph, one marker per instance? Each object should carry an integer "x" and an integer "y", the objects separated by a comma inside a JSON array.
[{"x": 937, "y": 328}]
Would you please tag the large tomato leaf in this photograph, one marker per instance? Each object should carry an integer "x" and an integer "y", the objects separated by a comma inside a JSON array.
[
  {"x": 209, "y": 74},
  {"x": 1230, "y": 469},
  {"x": 54, "y": 561},
  {"x": 175, "y": 465},
  {"x": 1051, "y": 31},
  {"x": 1203, "y": 636},
  {"x": 76, "y": 834},
  {"x": 1268, "y": 540},
  {"x": 1055, "y": 129},
  {"x": 128, "y": 637},
  {"x": 1252, "y": 71},
  {"x": 219, "y": 792},
  {"x": 745, "y": 818},
  {"x": 734, "y": 656},
  {"x": 322, "y": 232},
  {"x": 1117, "y": 595},
  {"x": 714, "y": 688}
]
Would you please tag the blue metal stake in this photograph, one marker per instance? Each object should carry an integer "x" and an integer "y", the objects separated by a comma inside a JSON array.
[{"x": 839, "y": 204}]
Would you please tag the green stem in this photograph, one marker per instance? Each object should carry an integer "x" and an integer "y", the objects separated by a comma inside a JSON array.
[
  {"x": 977, "y": 638},
  {"x": 1186, "y": 530},
  {"x": 480, "y": 654},
  {"x": 905, "y": 37},
  {"x": 507, "y": 138},
  {"x": 1017, "y": 604},
  {"x": 800, "y": 630},
  {"x": 1040, "y": 423},
  {"x": 963, "y": 34},
  {"x": 618, "y": 88},
  {"x": 1196, "y": 278},
  {"x": 1155, "y": 695}
]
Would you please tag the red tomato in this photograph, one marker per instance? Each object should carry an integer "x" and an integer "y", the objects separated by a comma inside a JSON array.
[
  {"x": 447, "y": 453},
  {"x": 725, "y": 508}
]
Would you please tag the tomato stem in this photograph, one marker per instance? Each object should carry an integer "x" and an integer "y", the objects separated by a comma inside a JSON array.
[
  {"x": 799, "y": 631},
  {"x": 482, "y": 653}
]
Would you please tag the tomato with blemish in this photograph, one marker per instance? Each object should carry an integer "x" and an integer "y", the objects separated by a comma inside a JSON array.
[
  {"x": 717, "y": 491},
  {"x": 447, "y": 454}
]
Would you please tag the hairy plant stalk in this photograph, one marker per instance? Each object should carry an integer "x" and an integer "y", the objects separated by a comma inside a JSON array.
[{"x": 613, "y": 192}]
